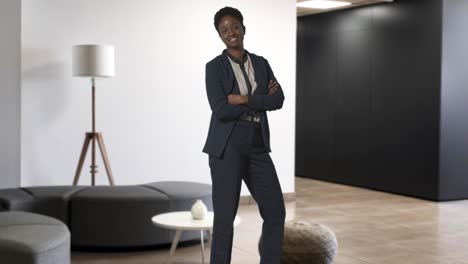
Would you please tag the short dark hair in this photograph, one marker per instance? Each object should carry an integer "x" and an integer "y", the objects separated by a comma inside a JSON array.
[{"x": 228, "y": 11}]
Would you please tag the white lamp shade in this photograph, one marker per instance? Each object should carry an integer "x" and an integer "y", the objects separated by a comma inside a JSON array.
[{"x": 93, "y": 61}]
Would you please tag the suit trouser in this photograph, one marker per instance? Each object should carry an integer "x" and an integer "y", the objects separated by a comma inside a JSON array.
[{"x": 245, "y": 158}]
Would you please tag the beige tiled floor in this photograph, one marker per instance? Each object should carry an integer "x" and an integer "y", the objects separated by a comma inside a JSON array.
[{"x": 371, "y": 227}]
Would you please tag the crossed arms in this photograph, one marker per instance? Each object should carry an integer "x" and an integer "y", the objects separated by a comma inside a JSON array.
[{"x": 228, "y": 107}]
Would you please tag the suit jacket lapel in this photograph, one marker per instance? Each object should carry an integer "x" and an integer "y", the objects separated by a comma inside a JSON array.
[
  {"x": 258, "y": 72},
  {"x": 230, "y": 80}
]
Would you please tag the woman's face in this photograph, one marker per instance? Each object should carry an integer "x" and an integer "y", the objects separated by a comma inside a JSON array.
[{"x": 231, "y": 32}]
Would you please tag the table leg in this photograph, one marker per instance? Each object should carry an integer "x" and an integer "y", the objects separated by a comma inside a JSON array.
[
  {"x": 209, "y": 236},
  {"x": 202, "y": 247},
  {"x": 174, "y": 245}
]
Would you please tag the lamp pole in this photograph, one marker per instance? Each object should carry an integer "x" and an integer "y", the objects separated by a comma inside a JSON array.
[{"x": 93, "y": 139}]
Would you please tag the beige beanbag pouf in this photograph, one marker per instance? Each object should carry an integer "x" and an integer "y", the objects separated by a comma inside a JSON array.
[{"x": 306, "y": 242}]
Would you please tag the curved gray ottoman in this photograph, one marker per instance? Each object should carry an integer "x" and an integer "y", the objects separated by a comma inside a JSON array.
[
  {"x": 27, "y": 238},
  {"x": 15, "y": 199},
  {"x": 45, "y": 200},
  {"x": 120, "y": 216},
  {"x": 52, "y": 200}
]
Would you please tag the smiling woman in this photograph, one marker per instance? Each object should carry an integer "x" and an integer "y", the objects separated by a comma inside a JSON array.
[{"x": 241, "y": 88}]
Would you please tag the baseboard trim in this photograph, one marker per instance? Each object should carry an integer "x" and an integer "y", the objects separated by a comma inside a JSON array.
[{"x": 249, "y": 200}]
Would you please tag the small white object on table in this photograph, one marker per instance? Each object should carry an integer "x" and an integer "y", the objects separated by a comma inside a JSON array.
[{"x": 183, "y": 220}]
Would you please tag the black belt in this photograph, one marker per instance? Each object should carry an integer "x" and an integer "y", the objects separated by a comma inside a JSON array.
[{"x": 251, "y": 118}]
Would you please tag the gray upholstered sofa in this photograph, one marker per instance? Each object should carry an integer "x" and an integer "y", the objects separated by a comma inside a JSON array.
[{"x": 110, "y": 216}]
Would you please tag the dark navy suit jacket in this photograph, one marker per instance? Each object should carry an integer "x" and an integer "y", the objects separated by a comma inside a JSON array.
[{"x": 220, "y": 82}]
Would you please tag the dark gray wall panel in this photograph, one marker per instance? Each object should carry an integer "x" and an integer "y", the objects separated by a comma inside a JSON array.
[
  {"x": 454, "y": 106},
  {"x": 383, "y": 101},
  {"x": 405, "y": 103},
  {"x": 300, "y": 135},
  {"x": 353, "y": 107},
  {"x": 318, "y": 125}
]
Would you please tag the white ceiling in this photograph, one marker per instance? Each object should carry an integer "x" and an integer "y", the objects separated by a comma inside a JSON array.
[{"x": 307, "y": 11}]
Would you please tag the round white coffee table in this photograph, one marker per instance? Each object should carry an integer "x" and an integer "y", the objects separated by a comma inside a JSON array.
[{"x": 183, "y": 220}]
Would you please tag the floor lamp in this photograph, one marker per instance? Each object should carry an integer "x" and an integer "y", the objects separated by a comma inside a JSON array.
[{"x": 94, "y": 62}]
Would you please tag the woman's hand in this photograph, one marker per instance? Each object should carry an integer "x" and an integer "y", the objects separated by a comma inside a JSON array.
[
  {"x": 272, "y": 87},
  {"x": 237, "y": 99}
]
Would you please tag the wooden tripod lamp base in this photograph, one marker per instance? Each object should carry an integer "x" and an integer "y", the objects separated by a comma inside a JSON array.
[{"x": 93, "y": 138}]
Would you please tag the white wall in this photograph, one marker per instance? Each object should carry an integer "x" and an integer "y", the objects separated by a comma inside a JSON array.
[
  {"x": 154, "y": 113},
  {"x": 10, "y": 58}
]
